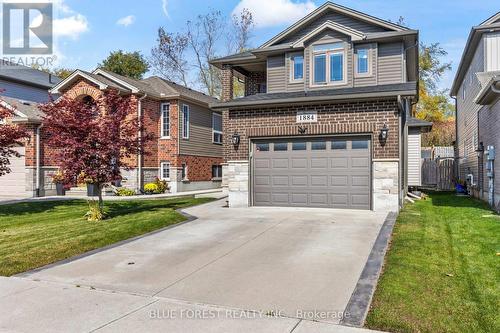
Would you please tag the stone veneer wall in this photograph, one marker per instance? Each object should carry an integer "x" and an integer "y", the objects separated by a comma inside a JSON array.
[
  {"x": 385, "y": 185},
  {"x": 237, "y": 175}
]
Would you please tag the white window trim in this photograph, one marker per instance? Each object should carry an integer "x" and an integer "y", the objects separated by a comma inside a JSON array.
[
  {"x": 161, "y": 121},
  {"x": 292, "y": 67},
  {"x": 213, "y": 129},
  {"x": 185, "y": 124},
  {"x": 186, "y": 177},
  {"x": 368, "y": 48},
  {"x": 327, "y": 54},
  {"x": 162, "y": 164}
]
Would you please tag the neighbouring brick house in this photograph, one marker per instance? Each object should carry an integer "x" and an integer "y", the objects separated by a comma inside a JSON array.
[
  {"x": 476, "y": 89},
  {"x": 324, "y": 119},
  {"x": 186, "y": 149}
]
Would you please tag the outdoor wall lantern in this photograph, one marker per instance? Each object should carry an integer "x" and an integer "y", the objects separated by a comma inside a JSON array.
[
  {"x": 480, "y": 149},
  {"x": 384, "y": 133},
  {"x": 235, "y": 139}
]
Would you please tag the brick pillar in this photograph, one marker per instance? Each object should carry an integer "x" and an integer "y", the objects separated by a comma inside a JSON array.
[{"x": 227, "y": 83}]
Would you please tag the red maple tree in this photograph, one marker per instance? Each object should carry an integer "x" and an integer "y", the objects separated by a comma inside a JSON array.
[
  {"x": 93, "y": 138},
  {"x": 10, "y": 136}
]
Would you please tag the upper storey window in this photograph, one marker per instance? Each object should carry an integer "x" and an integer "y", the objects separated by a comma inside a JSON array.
[
  {"x": 362, "y": 61},
  {"x": 297, "y": 67},
  {"x": 329, "y": 63}
]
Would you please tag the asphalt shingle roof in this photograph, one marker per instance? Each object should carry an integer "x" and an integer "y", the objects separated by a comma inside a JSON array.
[
  {"x": 27, "y": 75},
  {"x": 29, "y": 109}
]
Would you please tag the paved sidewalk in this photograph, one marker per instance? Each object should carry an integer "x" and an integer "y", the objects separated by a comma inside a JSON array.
[
  {"x": 38, "y": 306},
  {"x": 215, "y": 193}
]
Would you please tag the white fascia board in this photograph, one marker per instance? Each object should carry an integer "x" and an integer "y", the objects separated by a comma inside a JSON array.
[
  {"x": 69, "y": 79},
  {"x": 134, "y": 89},
  {"x": 354, "y": 34}
]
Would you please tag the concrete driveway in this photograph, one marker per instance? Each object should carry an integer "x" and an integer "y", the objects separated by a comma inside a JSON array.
[{"x": 293, "y": 262}]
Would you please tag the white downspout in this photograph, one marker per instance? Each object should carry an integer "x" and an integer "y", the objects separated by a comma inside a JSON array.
[
  {"x": 139, "y": 155},
  {"x": 37, "y": 175}
]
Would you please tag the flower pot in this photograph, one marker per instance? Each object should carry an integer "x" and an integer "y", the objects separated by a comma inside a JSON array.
[
  {"x": 60, "y": 189},
  {"x": 92, "y": 190}
]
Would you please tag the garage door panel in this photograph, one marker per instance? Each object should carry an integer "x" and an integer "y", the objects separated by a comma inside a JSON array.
[
  {"x": 360, "y": 162},
  {"x": 339, "y": 162},
  {"x": 262, "y": 163},
  {"x": 299, "y": 163},
  {"x": 280, "y": 180},
  {"x": 280, "y": 163},
  {"x": 339, "y": 180},
  {"x": 299, "y": 198},
  {"x": 321, "y": 181},
  {"x": 299, "y": 180},
  {"x": 319, "y": 163},
  {"x": 313, "y": 173},
  {"x": 13, "y": 183}
]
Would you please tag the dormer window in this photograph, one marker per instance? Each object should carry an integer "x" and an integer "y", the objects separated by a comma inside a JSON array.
[
  {"x": 329, "y": 63},
  {"x": 297, "y": 67}
]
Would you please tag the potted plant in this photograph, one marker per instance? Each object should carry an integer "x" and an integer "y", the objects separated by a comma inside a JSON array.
[
  {"x": 58, "y": 179},
  {"x": 93, "y": 187}
]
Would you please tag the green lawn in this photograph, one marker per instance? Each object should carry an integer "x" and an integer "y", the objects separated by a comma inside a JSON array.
[
  {"x": 39, "y": 233},
  {"x": 442, "y": 272}
]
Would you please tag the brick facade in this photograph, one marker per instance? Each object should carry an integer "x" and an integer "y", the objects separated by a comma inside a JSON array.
[
  {"x": 227, "y": 83},
  {"x": 253, "y": 81},
  {"x": 156, "y": 151},
  {"x": 363, "y": 117}
]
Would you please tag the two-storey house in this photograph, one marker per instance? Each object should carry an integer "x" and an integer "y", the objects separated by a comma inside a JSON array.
[
  {"x": 476, "y": 89},
  {"x": 323, "y": 122},
  {"x": 186, "y": 150},
  {"x": 21, "y": 88}
]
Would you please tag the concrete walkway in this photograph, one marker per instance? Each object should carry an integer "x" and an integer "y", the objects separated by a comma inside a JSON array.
[
  {"x": 245, "y": 270},
  {"x": 215, "y": 193}
]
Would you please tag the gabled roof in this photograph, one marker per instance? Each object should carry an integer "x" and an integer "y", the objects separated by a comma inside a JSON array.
[
  {"x": 24, "y": 111},
  {"x": 337, "y": 8},
  {"x": 494, "y": 19},
  {"x": 490, "y": 25},
  {"x": 330, "y": 25},
  {"x": 154, "y": 87},
  {"x": 27, "y": 75}
]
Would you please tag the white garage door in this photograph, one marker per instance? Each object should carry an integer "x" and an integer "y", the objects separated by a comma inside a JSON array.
[{"x": 13, "y": 183}]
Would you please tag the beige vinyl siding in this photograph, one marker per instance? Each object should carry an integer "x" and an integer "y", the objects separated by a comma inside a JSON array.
[
  {"x": 200, "y": 132},
  {"x": 276, "y": 74},
  {"x": 467, "y": 134},
  {"x": 337, "y": 18},
  {"x": 493, "y": 52},
  {"x": 390, "y": 63},
  {"x": 362, "y": 81},
  {"x": 414, "y": 157}
]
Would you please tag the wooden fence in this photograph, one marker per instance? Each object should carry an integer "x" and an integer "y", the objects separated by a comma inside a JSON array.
[
  {"x": 438, "y": 173},
  {"x": 438, "y": 152}
]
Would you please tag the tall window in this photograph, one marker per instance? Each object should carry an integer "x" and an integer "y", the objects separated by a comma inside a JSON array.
[
  {"x": 217, "y": 128},
  {"x": 165, "y": 120},
  {"x": 362, "y": 66},
  {"x": 165, "y": 171},
  {"x": 216, "y": 171},
  {"x": 184, "y": 172},
  {"x": 328, "y": 63},
  {"x": 185, "y": 121},
  {"x": 297, "y": 67}
]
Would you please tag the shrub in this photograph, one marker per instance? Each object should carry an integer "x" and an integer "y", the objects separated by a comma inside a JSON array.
[
  {"x": 58, "y": 177},
  {"x": 162, "y": 185},
  {"x": 95, "y": 212},
  {"x": 124, "y": 192},
  {"x": 151, "y": 188}
]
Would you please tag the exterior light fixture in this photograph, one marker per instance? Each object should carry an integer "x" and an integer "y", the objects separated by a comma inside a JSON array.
[
  {"x": 384, "y": 133},
  {"x": 235, "y": 139},
  {"x": 480, "y": 149}
]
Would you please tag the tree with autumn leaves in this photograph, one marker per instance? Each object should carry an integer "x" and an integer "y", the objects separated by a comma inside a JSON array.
[
  {"x": 93, "y": 139},
  {"x": 10, "y": 135}
]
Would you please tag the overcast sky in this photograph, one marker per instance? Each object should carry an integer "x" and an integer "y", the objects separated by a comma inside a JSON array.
[{"x": 87, "y": 30}]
